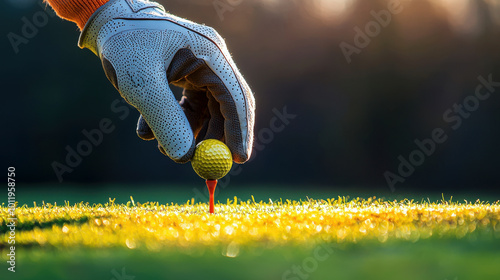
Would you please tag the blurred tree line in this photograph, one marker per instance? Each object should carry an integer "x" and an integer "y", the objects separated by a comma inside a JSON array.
[{"x": 353, "y": 120}]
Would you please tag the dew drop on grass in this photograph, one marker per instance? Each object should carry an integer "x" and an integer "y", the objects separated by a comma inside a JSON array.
[
  {"x": 130, "y": 243},
  {"x": 229, "y": 230},
  {"x": 232, "y": 250}
]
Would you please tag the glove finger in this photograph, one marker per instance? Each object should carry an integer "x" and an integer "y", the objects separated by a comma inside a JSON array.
[
  {"x": 138, "y": 67},
  {"x": 235, "y": 110},
  {"x": 203, "y": 132},
  {"x": 216, "y": 124},
  {"x": 149, "y": 92},
  {"x": 143, "y": 130},
  {"x": 220, "y": 77},
  {"x": 194, "y": 104},
  {"x": 160, "y": 148},
  {"x": 169, "y": 125}
]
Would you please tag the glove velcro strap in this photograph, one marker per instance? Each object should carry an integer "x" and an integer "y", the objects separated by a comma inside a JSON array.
[{"x": 112, "y": 9}]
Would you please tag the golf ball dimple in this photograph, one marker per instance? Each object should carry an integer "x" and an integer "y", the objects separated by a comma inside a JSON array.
[{"x": 212, "y": 159}]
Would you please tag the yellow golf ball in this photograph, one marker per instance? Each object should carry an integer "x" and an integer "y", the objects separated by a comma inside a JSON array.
[{"x": 212, "y": 159}]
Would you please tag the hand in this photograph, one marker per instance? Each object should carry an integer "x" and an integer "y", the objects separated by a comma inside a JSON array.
[{"x": 143, "y": 49}]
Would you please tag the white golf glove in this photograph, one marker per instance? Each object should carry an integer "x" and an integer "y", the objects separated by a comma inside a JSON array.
[{"x": 143, "y": 49}]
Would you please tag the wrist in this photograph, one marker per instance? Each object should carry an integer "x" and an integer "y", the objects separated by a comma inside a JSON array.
[
  {"x": 77, "y": 11},
  {"x": 109, "y": 11}
]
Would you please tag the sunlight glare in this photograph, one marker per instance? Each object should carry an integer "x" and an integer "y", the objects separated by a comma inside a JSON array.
[
  {"x": 330, "y": 10},
  {"x": 462, "y": 14}
]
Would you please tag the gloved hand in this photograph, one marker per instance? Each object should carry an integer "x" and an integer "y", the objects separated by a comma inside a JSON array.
[{"x": 143, "y": 49}]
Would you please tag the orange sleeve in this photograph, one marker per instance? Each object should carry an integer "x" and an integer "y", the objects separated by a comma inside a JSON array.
[{"x": 78, "y": 11}]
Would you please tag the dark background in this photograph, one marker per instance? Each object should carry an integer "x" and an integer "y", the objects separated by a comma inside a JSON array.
[{"x": 353, "y": 119}]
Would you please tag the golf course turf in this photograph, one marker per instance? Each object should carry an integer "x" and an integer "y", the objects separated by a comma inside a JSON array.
[{"x": 335, "y": 238}]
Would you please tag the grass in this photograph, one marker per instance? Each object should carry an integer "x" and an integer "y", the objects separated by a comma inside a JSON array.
[
  {"x": 154, "y": 226},
  {"x": 426, "y": 259},
  {"x": 336, "y": 238}
]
